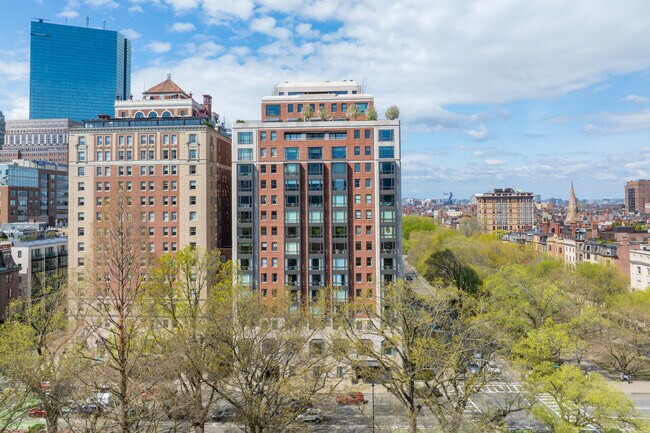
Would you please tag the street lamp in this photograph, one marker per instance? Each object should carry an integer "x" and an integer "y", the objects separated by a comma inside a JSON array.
[{"x": 373, "y": 406}]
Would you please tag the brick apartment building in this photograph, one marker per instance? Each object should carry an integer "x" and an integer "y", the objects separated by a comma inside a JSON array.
[
  {"x": 505, "y": 209},
  {"x": 37, "y": 140},
  {"x": 9, "y": 290},
  {"x": 316, "y": 201},
  {"x": 169, "y": 156},
  {"x": 34, "y": 191},
  {"x": 637, "y": 196}
]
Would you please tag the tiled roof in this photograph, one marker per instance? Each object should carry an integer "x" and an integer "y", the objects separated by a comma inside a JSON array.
[{"x": 167, "y": 86}]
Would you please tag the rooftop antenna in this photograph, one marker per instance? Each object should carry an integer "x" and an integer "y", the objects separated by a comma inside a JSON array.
[
  {"x": 104, "y": 24},
  {"x": 169, "y": 76},
  {"x": 87, "y": 21}
]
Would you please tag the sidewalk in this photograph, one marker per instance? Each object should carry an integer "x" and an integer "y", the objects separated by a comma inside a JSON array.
[{"x": 636, "y": 387}]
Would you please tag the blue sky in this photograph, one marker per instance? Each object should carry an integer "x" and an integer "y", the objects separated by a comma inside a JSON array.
[{"x": 531, "y": 95}]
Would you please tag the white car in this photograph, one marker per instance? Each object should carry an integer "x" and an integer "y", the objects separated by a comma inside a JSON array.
[{"x": 311, "y": 415}]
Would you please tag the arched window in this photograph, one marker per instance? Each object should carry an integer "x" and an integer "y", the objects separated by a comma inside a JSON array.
[
  {"x": 166, "y": 114},
  {"x": 153, "y": 114},
  {"x": 139, "y": 115}
]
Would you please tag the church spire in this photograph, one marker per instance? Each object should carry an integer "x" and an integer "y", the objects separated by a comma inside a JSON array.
[{"x": 572, "y": 209}]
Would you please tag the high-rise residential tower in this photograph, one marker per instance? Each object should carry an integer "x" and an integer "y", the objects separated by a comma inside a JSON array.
[
  {"x": 505, "y": 209},
  {"x": 168, "y": 157},
  {"x": 76, "y": 72},
  {"x": 637, "y": 196},
  {"x": 316, "y": 201}
]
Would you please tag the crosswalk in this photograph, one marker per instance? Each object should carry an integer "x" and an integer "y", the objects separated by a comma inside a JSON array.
[{"x": 502, "y": 388}]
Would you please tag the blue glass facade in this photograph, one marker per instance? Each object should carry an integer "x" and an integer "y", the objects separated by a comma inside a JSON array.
[{"x": 77, "y": 72}]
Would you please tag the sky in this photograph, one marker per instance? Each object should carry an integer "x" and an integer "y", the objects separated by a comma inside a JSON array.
[{"x": 503, "y": 93}]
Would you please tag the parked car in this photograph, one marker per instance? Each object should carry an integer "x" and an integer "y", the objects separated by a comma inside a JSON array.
[
  {"x": 311, "y": 415},
  {"x": 351, "y": 398},
  {"x": 473, "y": 367},
  {"x": 225, "y": 413},
  {"x": 91, "y": 409},
  {"x": 493, "y": 367},
  {"x": 37, "y": 412}
]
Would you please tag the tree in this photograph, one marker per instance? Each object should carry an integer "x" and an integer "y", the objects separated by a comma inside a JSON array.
[
  {"x": 392, "y": 112},
  {"x": 323, "y": 114},
  {"x": 371, "y": 113},
  {"x": 307, "y": 112},
  {"x": 269, "y": 360},
  {"x": 583, "y": 400},
  {"x": 117, "y": 321},
  {"x": 182, "y": 292},
  {"x": 419, "y": 348},
  {"x": 469, "y": 227},
  {"x": 353, "y": 112},
  {"x": 35, "y": 351},
  {"x": 444, "y": 265}
]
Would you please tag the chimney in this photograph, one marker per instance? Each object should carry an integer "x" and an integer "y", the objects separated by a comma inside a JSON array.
[
  {"x": 207, "y": 103},
  {"x": 573, "y": 230},
  {"x": 545, "y": 226},
  {"x": 594, "y": 229},
  {"x": 558, "y": 232}
]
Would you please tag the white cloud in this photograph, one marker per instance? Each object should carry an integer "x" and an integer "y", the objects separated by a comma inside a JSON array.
[
  {"x": 130, "y": 34},
  {"x": 620, "y": 123},
  {"x": 494, "y": 162},
  {"x": 219, "y": 10},
  {"x": 67, "y": 13},
  {"x": 14, "y": 71},
  {"x": 267, "y": 26},
  {"x": 182, "y": 27},
  {"x": 480, "y": 134},
  {"x": 109, "y": 4},
  {"x": 183, "y": 5},
  {"x": 136, "y": 9},
  {"x": 636, "y": 98},
  {"x": 159, "y": 47},
  {"x": 305, "y": 30}
]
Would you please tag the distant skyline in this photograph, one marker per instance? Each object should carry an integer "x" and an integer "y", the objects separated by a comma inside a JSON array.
[{"x": 493, "y": 94}]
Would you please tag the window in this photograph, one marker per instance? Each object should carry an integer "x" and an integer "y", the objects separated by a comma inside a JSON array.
[
  {"x": 334, "y": 107},
  {"x": 80, "y": 171},
  {"x": 340, "y": 216},
  {"x": 339, "y": 152},
  {"x": 386, "y": 152},
  {"x": 245, "y": 137},
  {"x": 368, "y": 214},
  {"x": 263, "y": 152},
  {"x": 274, "y": 137},
  {"x": 273, "y": 110},
  {"x": 357, "y": 167},
  {"x": 357, "y": 135},
  {"x": 368, "y": 183},
  {"x": 245, "y": 154},
  {"x": 386, "y": 135},
  {"x": 291, "y": 216},
  {"x": 192, "y": 216},
  {"x": 263, "y": 136},
  {"x": 366, "y": 134},
  {"x": 291, "y": 153},
  {"x": 339, "y": 200},
  {"x": 192, "y": 184},
  {"x": 344, "y": 107},
  {"x": 315, "y": 153},
  {"x": 338, "y": 135},
  {"x": 292, "y": 136},
  {"x": 357, "y": 214},
  {"x": 193, "y": 154},
  {"x": 290, "y": 108},
  {"x": 80, "y": 186},
  {"x": 192, "y": 231},
  {"x": 368, "y": 198},
  {"x": 192, "y": 169}
]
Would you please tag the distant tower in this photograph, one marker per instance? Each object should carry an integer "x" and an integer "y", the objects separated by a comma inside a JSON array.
[
  {"x": 572, "y": 209},
  {"x": 3, "y": 129}
]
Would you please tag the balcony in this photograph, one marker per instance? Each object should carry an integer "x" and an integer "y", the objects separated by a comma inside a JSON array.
[
  {"x": 317, "y": 268},
  {"x": 319, "y": 251},
  {"x": 388, "y": 268}
]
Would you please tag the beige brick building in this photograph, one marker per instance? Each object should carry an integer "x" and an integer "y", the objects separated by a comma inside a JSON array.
[
  {"x": 167, "y": 157},
  {"x": 505, "y": 209}
]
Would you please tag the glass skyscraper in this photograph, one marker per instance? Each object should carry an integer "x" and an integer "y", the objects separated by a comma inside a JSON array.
[{"x": 77, "y": 72}]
